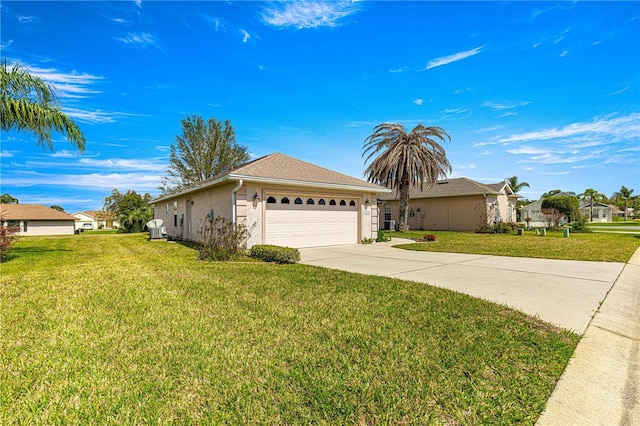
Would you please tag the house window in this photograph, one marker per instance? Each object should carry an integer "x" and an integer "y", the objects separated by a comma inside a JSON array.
[
  {"x": 310, "y": 201},
  {"x": 352, "y": 203},
  {"x": 321, "y": 202},
  {"x": 14, "y": 224},
  {"x": 343, "y": 203},
  {"x": 175, "y": 220},
  {"x": 298, "y": 200},
  {"x": 284, "y": 200},
  {"x": 271, "y": 200},
  {"x": 387, "y": 213},
  {"x": 332, "y": 202},
  {"x": 166, "y": 208},
  {"x": 24, "y": 226}
]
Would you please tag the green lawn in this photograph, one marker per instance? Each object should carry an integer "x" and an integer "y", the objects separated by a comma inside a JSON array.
[
  {"x": 114, "y": 329},
  {"x": 584, "y": 246}
]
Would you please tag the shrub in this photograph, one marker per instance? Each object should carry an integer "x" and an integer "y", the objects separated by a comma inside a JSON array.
[
  {"x": 277, "y": 254},
  {"x": 497, "y": 228},
  {"x": 580, "y": 225},
  {"x": 381, "y": 238},
  {"x": 430, "y": 237},
  {"x": 221, "y": 239},
  {"x": 367, "y": 241},
  {"x": 7, "y": 238}
]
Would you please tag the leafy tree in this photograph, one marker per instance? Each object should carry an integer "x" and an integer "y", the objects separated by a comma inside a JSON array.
[
  {"x": 623, "y": 197},
  {"x": 204, "y": 150},
  {"x": 112, "y": 201},
  {"x": 592, "y": 196},
  {"x": 30, "y": 104},
  {"x": 564, "y": 205},
  {"x": 555, "y": 192},
  {"x": 131, "y": 209},
  {"x": 8, "y": 199},
  {"x": 404, "y": 160},
  {"x": 515, "y": 185},
  {"x": 60, "y": 209}
]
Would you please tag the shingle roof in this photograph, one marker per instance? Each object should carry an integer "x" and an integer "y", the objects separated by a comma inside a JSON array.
[
  {"x": 449, "y": 188},
  {"x": 279, "y": 168},
  {"x": 31, "y": 212},
  {"x": 99, "y": 214}
]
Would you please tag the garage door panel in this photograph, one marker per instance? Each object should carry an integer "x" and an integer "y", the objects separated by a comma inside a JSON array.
[{"x": 310, "y": 225}]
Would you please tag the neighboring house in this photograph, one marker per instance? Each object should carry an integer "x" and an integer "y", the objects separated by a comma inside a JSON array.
[
  {"x": 36, "y": 219},
  {"x": 601, "y": 212},
  {"x": 95, "y": 219},
  {"x": 281, "y": 200},
  {"x": 533, "y": 212},
  {"x": 459, "y": 204}
]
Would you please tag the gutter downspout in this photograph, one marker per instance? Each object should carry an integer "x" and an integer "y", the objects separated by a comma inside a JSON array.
[{"x": 233, "y": 200}]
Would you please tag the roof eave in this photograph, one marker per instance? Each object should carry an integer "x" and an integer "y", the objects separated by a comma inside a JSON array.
[{"x": 291, "y": 182}]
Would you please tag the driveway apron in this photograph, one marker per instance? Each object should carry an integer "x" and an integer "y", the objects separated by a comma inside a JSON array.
[{"x": 562, "y": 292}]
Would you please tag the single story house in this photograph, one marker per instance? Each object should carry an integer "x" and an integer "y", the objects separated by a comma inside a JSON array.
[
  {"x": 533, "y": 212},
  {"x": 95, "y": 219},
  {"x": 459, "y": 204},
  {"x": 601, "y": 212},
  {"x": 36, "y": 219},
  {"x": 281, "y": 200}
]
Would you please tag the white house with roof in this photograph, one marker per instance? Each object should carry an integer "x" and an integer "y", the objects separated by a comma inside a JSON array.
[
  {"x": 459, "y": 204},
  {"x": 36, "y": 219},
  {"x": 282, "y": 201}
]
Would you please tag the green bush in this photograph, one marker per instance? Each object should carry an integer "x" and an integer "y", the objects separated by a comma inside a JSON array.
[
  {"x": 221, "y": 239},
  {"x": 580, "y": 225},
  {"x": 277, "y": 254},
  {"x": 381, "y": 238}
]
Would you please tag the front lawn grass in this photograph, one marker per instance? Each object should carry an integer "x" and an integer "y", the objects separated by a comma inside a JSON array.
[
  {"x": 115, "y": 329},
  {"x": 579, "y": 246}
]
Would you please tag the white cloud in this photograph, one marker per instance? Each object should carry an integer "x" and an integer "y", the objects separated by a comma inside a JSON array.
[
  {"x": 6, "y": 44},
  {"x": 63, "y": 154},
  {"x": 25, "y": 19},
  {"x": 124, "y": 164},
  {"x": 95, "y": 116},
  {"x": 418, "y": 101},
  {"x": 308, "y": 14},
  {"x": 140, "y": 40},
  {"x": 245, "y": 36},
  {"x": 502, "y": 106},
  {"x": 137, "y": 181},
  {"x": 6, "y": 154},
  {"x": 444, "y": 60},
  {"x": 67, "y": 85},
  {"x": 397, "y": 70}
]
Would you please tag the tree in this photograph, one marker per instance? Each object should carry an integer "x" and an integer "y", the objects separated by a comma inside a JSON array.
[
  {"x": 623, "y": 196},
  {"x": 30, "y": 104},
  {"x": 566, "y": 205},
  {"x": 8, "y": 199},
  {"x": 404, "y": 160},
  {"x": 60, "y": 209},
  {"x": 592, "y": 196},
  {"x": 131, "y": 209},
  {"x": 555, "y": 192},
  {"x": 515, "y": 185},
  {"x": 204, "y": 150}
]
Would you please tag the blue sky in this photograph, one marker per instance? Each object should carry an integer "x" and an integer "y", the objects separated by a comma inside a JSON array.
[{"x": 546, "y": 91}]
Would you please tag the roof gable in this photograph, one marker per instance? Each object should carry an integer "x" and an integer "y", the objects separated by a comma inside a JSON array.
[{"x": 32, "y": 212}]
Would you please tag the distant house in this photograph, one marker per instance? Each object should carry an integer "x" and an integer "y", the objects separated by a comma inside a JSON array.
[
  {"x": 601, "y": 212},
  {"x": 36, "y": 219},
  {"x": 459, "y": 204},
  {"x": 95, "y": 219},
  {"x": 281, "y": 200},
  {"x": 533, "y": 212}
]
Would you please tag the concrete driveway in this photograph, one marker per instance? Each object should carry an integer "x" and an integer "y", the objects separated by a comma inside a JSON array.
[{"x": 563, "y": 292}]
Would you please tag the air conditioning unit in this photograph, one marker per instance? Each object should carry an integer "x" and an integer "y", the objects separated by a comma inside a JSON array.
[{"x": 157, "y": 233}]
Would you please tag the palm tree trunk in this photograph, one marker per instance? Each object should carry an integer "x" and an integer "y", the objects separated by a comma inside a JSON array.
[{"x": 404, "y": 207}]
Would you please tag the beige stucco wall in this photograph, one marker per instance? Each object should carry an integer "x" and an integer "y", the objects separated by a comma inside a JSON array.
[
  {"x": 452, "y": 213},
  {"x": 195, "y": 206}
]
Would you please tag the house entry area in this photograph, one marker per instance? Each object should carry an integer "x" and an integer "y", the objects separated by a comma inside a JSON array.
[{"x": 310, "y": 221}]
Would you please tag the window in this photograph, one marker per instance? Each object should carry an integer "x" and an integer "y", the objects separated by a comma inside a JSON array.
[
  {"x": 343, "y": 203},
  {"x": 271, "y": 200},
  {"x": 352, "y": 203},
  {"x": 166, "y": 208},
  {"x": 298, "y": 200},
  {"x": 321, "y": 202},
  {"x": 175, "y": 220},
  {"x": 13, "y": 224},
  {"x": 284, "y": 200},
  {"x": 310, "y": 201},
  {"x": 332, "y": 202},
  {"x": 24, "y": 226}
]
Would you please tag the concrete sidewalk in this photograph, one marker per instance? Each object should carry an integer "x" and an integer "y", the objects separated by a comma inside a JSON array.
[
  {"x": 601, "y": 384},
  {"x": 562, "y": 292}
]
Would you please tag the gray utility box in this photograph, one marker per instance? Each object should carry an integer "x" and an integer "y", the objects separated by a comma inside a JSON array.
[{"x": 157, "y": 233}]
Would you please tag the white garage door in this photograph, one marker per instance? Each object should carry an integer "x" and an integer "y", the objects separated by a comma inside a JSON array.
[{"x": 311, "y": 221}]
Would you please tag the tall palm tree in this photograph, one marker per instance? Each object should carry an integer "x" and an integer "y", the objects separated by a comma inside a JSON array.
[
  {"x": 404, "y": 160},
  {"x": 30, "y": 104},
  {"x": 515, "y": 185},
  {"x": 623, "y": 195},
  {"x": 592, "y": 196}
]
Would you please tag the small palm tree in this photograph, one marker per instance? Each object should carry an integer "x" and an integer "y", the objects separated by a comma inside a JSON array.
[
  {"x": 515, "y": 185},
  {"x": 592, "y": 196},
  {"x": 404, "y": 160},
  {"x": 623, "y": 195},
  {"x": 30, "y": 104}
]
